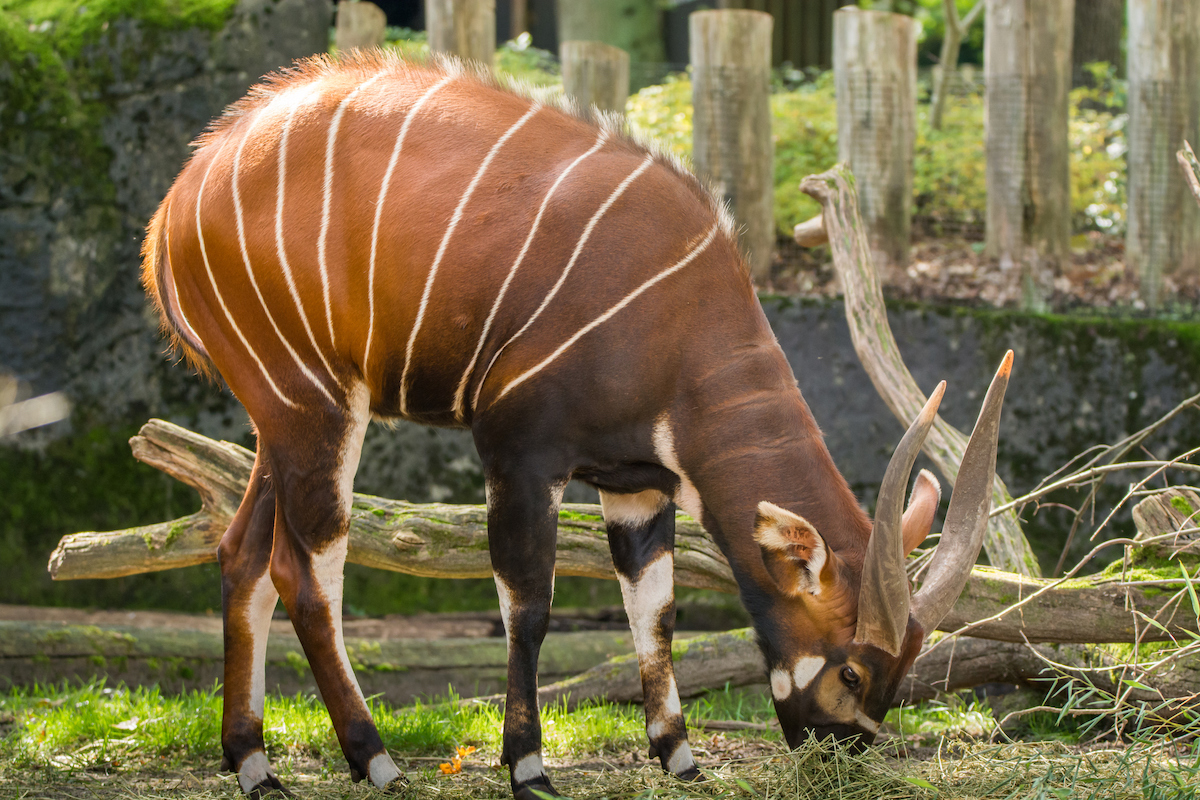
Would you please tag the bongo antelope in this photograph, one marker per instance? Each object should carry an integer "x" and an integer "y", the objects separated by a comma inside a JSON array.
[{"x": 370, "y": 237}]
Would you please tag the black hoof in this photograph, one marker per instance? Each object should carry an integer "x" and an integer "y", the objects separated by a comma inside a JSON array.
[
  {"x": 399, "y": 787},
  {"x": 692, "y": 775},
  {"x": 537, "y": 789},
  {"x": 271, "y": 787}
]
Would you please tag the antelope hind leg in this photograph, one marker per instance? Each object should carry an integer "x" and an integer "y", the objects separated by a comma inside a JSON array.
[
  {"x": 248, "y": 599},
  {"x": 522, "y": 531},
  {"x": 313, "y": 463},
  {"x": 641, "y": 536}
]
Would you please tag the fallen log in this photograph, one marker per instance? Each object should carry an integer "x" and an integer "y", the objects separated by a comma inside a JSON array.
[
  {"x": 732, "y": 658},
  {"x": 450, "y": 541}
]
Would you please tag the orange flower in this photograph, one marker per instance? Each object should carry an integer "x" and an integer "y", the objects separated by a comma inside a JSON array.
[{"x": 455, "y": 764}]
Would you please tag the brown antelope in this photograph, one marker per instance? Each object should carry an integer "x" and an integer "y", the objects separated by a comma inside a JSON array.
[{"x": 372, "y": 237}]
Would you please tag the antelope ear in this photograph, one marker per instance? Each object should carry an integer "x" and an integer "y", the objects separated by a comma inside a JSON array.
[
  {"x": 794, "y": 552},
  {"x": 922, "y": 505}
]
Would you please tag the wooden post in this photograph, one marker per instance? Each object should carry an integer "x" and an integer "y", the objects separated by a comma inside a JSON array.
[
  {"x": 875, "y": 75},
  {"x": 635, "y": 26},
  {"x": 731, "y": 121},
  {"x": 465, "y": 28},
  {"x": 595, "y": 74},
  {"x": 1027, "y": 64},
  {"x": 1164, "y": 109},
  {"x": 518, "y": 21},
  {"x": 360, "y": 25}
]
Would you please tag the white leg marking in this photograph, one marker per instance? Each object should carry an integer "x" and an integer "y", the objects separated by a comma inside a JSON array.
[
  {"x": 781, "y": 684},
  {"x": 505, "y": 597},
  {"x": 241, "y": 231},
  {"x": 382, "y": 770},
  {"x": 279, "y": 246},
  {"x": 681, "y": 759},
  {"x": 459, "y": 394},
  {"x": 359, "y": 403},
  {"x": 258, "y": 619},
  {"x": 383, "y": 190},
  {"x": 255, "y": 769},
  {"x": 334, "y": 125},
  {"x": 441, "y": 251},
  {"x": 645, "y": 600},
  {"x": 327, "y": 569},
  {"x": 587, "y": 232},
  {"x": 213, "y": 282},
  {"x": 686, "y": 497},
  {"x": 632, "y": 510},
  {"x": 671, "y": 708},
  {"x": 629, "y": 298},
  {"x": 528, "y": 768},
  {"x": 806, "y": 669}
]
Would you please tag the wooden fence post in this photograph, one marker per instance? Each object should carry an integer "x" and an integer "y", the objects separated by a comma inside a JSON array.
[
  {"x": 465, "y": 28},
  {"x": 1027, "y": 65},
  {"x": 360, "y": 24},
  {"x": 731, "y": 121},
  {"x": 875, "y": 75},
  {"x": 595, "y": 74},
  {"x": 1164, "y": 110}
]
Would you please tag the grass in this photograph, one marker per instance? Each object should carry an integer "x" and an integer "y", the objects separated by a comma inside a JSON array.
[{"x": 104, "y": 742}]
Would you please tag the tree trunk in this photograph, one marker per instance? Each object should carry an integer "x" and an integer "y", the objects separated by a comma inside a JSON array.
[
  {"x": 360, "y": 24},
  {"x": 634, "y": 26},
  {"x": 1164, "y": 109},
  {"x": 731, "y": 128},
  {"x": 946, "y": 81},
  {"x": 875, "y": 73},
  {"x": 464, "y": 28},
  {"x": 1027, "y": 61},
  {"x": 595, "y": 74},
  {"x": 1005, "y": 544},
  {"x": 1099, "y": 25},
  {"x": 450, "y": 541}
]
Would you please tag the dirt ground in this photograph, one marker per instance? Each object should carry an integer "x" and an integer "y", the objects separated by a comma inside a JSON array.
[{"x": 955, "y": 270}]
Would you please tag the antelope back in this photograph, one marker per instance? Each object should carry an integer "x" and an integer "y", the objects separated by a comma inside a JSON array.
[{"x": 422, "y": 230}]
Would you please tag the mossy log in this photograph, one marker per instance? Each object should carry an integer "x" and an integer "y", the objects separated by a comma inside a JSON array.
[
  {"x": 400, "y": 670},
  {"x": 733, "y": 658},
  {"x": 1005, "y": 544},
  {"x": 1174, "y": 511},
  {"x": 450, "y": 541}
]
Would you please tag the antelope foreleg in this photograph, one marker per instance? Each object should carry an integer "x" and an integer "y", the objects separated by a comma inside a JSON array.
[
  {"x": 522, "y": 532},
  {"x": 641, "y": 536},
  {"x": 248, "y": 599}
]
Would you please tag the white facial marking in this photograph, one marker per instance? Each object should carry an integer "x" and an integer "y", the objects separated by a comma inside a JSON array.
[
  {"x": 781, "y": 684},
  {"x": 607, "y": 315},
  {"x": 681, "y": 759},
  {"x": 241, "y": 232},
  {"x": 632, "y": 510},
  {"x": 528, "y": 768},
  {"x": 487, "y": 326},
  {"x": 382, "y": 770},
  {"x": 213, "y": 282},
  {"x": 806, "y": 669},
  {"x": 686, "y": 497},
  {"x": 327, "y": 567},
  {"x": 280, "y": 249},
  {"x": 258, "y": 611},
  {"x": 437, "y": 260},
  {"x": 866, "y": 722},
  {"x": 645, "y": 600},
  {"x": 327, "y": 201},
  {"x": 383, "y": 190},
  {"x": 255, "y": 769}
]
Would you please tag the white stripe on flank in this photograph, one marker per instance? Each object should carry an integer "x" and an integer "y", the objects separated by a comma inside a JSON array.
[
  {"x": 334, "y": 125},
  {"x": 213, "y": 282},
  {"x": 437, "y": 259},
  {"x": 383, "y": 189},
  {"x": 587, "y": 232},
  {"x": 283, "y": 261},
  {"x": 241, "y": 231},
  {"x": 629, "y": 298},
  {"x": 175, "y": 286},
  {"x": 459, "y": 395}
]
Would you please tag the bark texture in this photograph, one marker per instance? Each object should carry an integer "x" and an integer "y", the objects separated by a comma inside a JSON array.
[
  {"x": 595, "y": 74},
  {"x": 360, "y": 24},
  {"x": 465, "y": 28}
]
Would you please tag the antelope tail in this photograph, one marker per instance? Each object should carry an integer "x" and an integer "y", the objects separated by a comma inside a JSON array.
[{"x": 160, "y": 286}]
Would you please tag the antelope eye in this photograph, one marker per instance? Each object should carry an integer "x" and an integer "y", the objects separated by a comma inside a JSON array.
[{"x": 849, "y": 677}]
